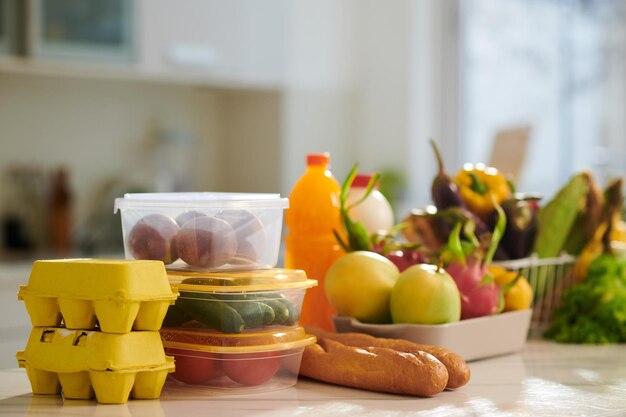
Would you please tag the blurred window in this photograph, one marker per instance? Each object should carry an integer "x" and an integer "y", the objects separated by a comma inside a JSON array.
[{"x": 554, "y": 67}]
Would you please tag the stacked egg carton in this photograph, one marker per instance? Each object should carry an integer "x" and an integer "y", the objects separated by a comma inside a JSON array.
[
  {"x": 95, "y": 329},
  {"x": 235, "y": 324}
]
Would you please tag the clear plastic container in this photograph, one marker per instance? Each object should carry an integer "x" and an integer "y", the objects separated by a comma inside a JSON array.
[
  {"x": 86, "y": 363},
  {"x": 240, "y": 363},
  {"x": 203, "y": 231},
  {"x": 119, "y": 295},
  {"x": 236, "y": 302},
  {"x": 374, "y": 212},
  {"x": 310, "y": 243}
]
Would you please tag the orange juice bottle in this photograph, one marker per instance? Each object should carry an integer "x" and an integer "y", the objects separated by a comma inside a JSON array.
[{"x": 310, "y": 245}]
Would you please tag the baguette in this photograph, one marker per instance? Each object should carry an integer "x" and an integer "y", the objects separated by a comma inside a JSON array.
[
  {"x": 374, "y": 368},
  {"x": 458, "y": 370}
]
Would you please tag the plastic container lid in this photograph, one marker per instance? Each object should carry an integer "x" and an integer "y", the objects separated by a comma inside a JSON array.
[
  {"x": 237, "y": 281},
  {"x": 216, "y": 342},
  {"x": 201, "y": 200}
]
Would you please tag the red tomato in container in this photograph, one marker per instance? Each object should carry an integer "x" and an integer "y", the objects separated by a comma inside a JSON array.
[
  {"x": 192, "y": 369},
  {"x": 251, "y": 368}
]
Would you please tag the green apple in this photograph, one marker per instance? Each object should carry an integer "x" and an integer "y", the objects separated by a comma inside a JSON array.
[
  {"x": 359, "y": 285},
  {"x": 425, "y": 294}
]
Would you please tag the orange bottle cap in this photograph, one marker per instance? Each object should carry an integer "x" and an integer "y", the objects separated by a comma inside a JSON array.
[{"x": 318, "y": 158}]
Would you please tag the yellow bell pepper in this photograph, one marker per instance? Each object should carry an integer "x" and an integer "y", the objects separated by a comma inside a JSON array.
[
  {"x": 479, "y": 186},
  {"x": 520, "y": 295}
]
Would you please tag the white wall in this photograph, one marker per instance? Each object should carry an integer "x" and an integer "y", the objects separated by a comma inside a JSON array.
[
  {"x": 359, "y": 80},
  {"x": 249, "y": 151},
  {"x": 317, "y": 102},
  {"x": 347, "y": 84},
  {"x": 101, "y": 130},
  {"x": 364, "y": 81}
]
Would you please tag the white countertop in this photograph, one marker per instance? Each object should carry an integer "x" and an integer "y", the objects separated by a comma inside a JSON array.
[{"x": 545, "y": 379}]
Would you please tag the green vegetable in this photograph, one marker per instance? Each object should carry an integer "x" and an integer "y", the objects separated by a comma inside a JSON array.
[
  {"x": 555, "y": 219},
  {"x": 293, "y": 312},
  {"x": 254, "y": 313},
  {"x": 358, "y": 237},
  {"x": 175, "y": 317},
  {"x": 281, "y": 312},
  {"x": 594, "y": 311},
  {"x": 231, "y": 313},
  {"x": 284, "y": 312},
  {"x": 215, "y": 314}
]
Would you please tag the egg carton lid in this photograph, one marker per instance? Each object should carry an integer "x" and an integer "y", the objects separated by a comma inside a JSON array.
[
  {"x": 207, "y": 340},
  {"x": 92, "y": 279},
  {"x": 267, "y": 279},
  {"x": 214, "y": 200},
  {"x": 57, "y": 349}
]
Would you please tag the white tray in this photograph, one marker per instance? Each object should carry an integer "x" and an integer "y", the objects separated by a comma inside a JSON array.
[{"x": 472, "y": 339}]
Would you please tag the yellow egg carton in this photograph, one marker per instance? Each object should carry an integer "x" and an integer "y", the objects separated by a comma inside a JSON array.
[
  {"x": 84, "y": 363},
  {"x": 121, "y": 295}
]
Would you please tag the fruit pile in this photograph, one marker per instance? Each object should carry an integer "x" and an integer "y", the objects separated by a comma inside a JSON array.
[
  {"x": 383, "y": 280},
  {"x": 477, "y": 218}
]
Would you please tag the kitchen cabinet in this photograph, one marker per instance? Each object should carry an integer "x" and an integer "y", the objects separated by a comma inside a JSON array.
[
  {"x": 239, "y": 44},
  {"x": 544, "y": 379},
  {"x": 241, "y": 41}
]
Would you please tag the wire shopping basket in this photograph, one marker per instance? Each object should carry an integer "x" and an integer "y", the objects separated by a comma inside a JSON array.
[{"x": 549, "y": 278}]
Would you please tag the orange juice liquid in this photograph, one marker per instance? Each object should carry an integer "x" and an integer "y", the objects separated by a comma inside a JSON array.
[{"x": 310, "y": 245}]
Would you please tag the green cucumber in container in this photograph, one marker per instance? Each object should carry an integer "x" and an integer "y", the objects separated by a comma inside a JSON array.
[
  {"x": 216, "y": 314},
  {"x": 284, "y": 310}
]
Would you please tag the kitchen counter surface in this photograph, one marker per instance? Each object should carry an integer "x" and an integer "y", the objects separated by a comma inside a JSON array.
[{"x": 545, "y": 379}]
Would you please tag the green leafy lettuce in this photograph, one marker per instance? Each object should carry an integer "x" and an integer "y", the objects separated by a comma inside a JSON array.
[{"x": 594, "y": 311}]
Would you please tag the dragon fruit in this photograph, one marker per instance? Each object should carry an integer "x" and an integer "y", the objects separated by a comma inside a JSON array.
[
  {"x": 467, "y": 264},
  {"x": 480, "y": 296}
]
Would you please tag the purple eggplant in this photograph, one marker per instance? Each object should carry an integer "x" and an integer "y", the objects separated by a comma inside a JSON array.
[
  {"x": 445, "y": 192},
  {"x": 521, "y": 225}
]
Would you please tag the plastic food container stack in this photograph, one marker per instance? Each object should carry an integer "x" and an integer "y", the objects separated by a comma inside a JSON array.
[
  {"x": 203, "y": 231},
  {"x": 95, "y": 331},
  {"x": 237, "y": 331},
  {"x": 234, "y": 327}
]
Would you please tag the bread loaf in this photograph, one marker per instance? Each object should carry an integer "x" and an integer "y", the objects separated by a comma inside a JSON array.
[
  {"x": 458, "y": 370},
  {"x": 374, "y": 368}
]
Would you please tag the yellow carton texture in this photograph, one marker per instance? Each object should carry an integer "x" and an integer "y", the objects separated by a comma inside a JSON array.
[
  {"x": 114, "y": 367},
  {"x": 121, "y": 295}
]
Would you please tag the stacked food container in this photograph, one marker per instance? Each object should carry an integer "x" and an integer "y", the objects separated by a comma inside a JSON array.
[
  {"x": 234, "y": 327},
  {"x": 95, "y": 329}
]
